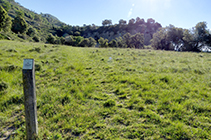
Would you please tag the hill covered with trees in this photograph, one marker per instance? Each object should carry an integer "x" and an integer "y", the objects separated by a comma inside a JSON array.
[
  {"x": 29, "y": 25},
  {"x": 19, "y": 23}
]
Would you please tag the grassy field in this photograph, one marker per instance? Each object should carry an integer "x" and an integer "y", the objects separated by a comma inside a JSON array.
[{"x": 93, "y": 93}]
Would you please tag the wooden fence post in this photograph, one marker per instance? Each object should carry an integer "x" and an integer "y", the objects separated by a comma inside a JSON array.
[{"x": 30, "y": 101}]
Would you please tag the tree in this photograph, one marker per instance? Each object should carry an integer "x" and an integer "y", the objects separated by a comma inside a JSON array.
[
  {"x": 131, "y": 21},
  {"x": 122, "y": 22},
  {"x": 19, "y": 25},
  {"x": 37, "y": 18},
  {"x": 120, "y": 42},
  {"x": 175, "y": 36},
  {"x": 8, "y": 24},
  {"x": 36, "y": 38},
  {"x": 106, "y": 22},
  {"x": 103, "y": 42},
  {"x": 5, "y": 21},
  {"x": 19, "y": 13},
  {"x": 189, "y": 41},
  {"x": 84, "y": 43},
  {"x": 201, "y": 32},
  {"x": 139, "y": 21},
  {"x": 51, "y": 39},
  {"x": 168, "y": 38},
  {"x": 92, "y": 42},
  {"x": 137, "y": 41},
  {"x": 77, "y": 33},
  {"x": 113, "y": 43},
  {"x": 62, "y": 40},
  {"x": 69, "y": 40},
  {"x": 196, "y": 38},
  {"x": 160, "y": 41},
  {"x": 78, "y": 40},
  {"x": 31, "y": 31},
  {"x": 127, "y": 40},
  {"x": 150, "y": 21},
  {"x": 157, "y": 26}
]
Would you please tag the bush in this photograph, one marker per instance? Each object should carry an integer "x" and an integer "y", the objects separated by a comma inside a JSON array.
[
  {"x": 31, "y": 31},
  {"x": 36, "y": 39},
  {"x": 51, "y": 39},
  {"x": 84, "y": 43}
]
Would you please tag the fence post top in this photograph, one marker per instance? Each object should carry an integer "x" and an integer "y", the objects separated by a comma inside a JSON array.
[{"x": 28, "y": 64}]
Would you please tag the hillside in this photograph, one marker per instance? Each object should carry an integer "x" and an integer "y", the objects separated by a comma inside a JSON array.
[
  {"x": 43, "y": 23},
  {"x": 26, "y": 25},
  {"x": 90, "y": 93},
  {"x": 32, "y": 17}
]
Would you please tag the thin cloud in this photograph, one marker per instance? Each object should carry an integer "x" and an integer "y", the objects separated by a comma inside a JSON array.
[{"x": 131, "y": 11}]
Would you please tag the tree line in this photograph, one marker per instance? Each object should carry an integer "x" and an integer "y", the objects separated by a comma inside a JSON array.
[
  {"x": 173, "y": 38},
  {"x": 127, "y": 41}
]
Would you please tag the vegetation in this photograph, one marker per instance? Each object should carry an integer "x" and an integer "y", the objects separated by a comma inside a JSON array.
[
  {"x": 137, "y": 33},
  {"x": 98, "y": 93},
  {"x": 19, "y": 25},
  {"x": 173, "y": 38},
  {"x": 107, "y": 22},
  {"x": 5, "y": 21}
]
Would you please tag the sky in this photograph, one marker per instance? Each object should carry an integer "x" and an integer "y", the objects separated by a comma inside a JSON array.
[{"x": 180, "y": 13}]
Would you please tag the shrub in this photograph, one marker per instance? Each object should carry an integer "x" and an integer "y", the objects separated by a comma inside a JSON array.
[
  {"x": 31, "y": 31},
  {"x": 36, "y": 39},
  {"x": 50, "y": 39}
]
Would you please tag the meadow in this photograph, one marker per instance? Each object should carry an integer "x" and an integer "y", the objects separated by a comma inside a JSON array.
[{"x": 107, "y": 93}]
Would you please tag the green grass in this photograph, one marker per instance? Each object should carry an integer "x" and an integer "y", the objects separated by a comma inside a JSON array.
[{"x": 83, "y": 94}]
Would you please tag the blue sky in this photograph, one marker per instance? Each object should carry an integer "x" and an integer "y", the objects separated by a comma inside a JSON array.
[{"x": 180, "y": 13}]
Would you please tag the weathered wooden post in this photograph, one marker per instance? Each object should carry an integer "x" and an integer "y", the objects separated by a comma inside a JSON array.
[{"x": 30, "y": 101}]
